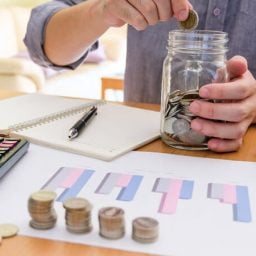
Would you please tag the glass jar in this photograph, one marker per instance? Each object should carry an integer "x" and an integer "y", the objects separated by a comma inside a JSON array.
[{"x": 194, "y": 59}]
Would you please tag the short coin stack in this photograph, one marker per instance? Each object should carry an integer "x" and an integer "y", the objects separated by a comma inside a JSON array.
[
  {"x": 145, "y": 230},
  {"x": 111, "y": 221},
  {"x": 40, "y": 207},
  {"x": 78, "y": 215}
]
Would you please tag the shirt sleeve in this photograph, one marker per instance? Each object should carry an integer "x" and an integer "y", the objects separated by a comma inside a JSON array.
[{"x": 35, "y": 35}]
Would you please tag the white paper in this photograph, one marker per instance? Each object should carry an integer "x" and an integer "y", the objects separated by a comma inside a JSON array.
[
  {"x": 200, "y": 226},
  {"x": 115, "y": 130}
]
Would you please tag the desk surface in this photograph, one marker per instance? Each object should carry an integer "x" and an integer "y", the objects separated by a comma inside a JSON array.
[{"x": 27, "y": 246}]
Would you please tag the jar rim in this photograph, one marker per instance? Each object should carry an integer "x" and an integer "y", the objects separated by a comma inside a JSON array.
[
  {"x": 198, "y": 32},
  {"x": 198, "y": 40}
]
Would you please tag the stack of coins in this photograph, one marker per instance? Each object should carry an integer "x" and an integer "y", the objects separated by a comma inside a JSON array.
[
  {"x": 40, "y": 207},
  {"x": 191, "y": 22},
  {"x": 145, "y": 230},
  {"x": 78, "y": 215},
  {"x": 111, "y": 221}
]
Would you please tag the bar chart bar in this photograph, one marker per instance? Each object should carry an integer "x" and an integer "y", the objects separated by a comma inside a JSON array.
[
  {"x": 242, "y": 210},
  {"x": 129, "y": 192},
  {"x": 70, "y": 179},
  {"x": 129, "y": 185},
  {"x": 75, "y": 188},
  {"x": 108, "y": 183},
  {"x": 172, "y": 190},
  {"x": 235, "y": 195}
]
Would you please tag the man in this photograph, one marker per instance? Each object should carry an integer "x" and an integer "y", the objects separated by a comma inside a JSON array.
[{"x": 60, "y": 33}]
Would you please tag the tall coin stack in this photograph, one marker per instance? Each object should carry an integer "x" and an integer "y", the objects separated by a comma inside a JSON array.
[
  {"x": 40, "y": 207},
  {"x": 78, "y": 215},
  {"x": 111, "y": 221},
  {"x": 145, "y": 230}
]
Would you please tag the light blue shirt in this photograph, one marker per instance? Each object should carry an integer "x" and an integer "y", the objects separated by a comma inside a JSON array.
[{"x": 147, "y": 49}]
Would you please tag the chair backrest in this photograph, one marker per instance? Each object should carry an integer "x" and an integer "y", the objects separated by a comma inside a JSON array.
[{"x": 13, "y": 24}]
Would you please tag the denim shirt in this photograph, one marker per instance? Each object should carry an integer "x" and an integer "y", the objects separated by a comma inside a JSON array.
[{"x": 147, "y": 49}]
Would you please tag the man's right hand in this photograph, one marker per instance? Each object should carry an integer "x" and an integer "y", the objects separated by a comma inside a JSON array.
[{"x": 142, "y": 13}]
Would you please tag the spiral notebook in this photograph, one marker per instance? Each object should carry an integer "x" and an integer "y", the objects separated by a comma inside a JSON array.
[{"x": 46, "y": 120}]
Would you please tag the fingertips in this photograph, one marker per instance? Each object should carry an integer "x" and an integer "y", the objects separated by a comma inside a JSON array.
[
  {"x": 219, "y": 145},
  {"x": 236, "y": 66},
  {"x": 181, "y": 9}
]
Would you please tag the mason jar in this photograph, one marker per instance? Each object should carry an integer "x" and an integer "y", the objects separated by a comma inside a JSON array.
[{"x": 194, "y": 59}]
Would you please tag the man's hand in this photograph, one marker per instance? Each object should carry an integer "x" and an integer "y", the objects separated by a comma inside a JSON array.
[
  {"x": 142, "y": 13},
  {"x": 237, "y": 108}
]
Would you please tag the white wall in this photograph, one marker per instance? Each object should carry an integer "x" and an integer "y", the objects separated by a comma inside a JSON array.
[{"x": 21, "y": 2}]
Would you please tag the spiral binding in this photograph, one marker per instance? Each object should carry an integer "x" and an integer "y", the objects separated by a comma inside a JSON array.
[{"x": 54, "y": 116}]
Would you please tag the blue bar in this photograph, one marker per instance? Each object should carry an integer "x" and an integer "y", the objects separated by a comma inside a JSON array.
[
  {"x": 75, "y": 189},
  {"x": 128, "y": 193},
  {"x": 241, "y": 210},
  {"x": 186, "y": 189}
]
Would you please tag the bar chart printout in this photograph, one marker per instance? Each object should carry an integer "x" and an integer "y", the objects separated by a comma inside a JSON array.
[
  {"x": 71, "y": 180},
  {"x": 172, "y": 190},
  {"x": 235, "y": 195},
  {"x": 129, "y": 185}
]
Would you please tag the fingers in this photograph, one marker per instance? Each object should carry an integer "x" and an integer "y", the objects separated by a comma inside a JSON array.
[
  {"x": 219, "y": 145},
  {"x": 239, "y": 88},
  {"x": 225, "y": 137},
  {"x": 142, "y": 13},
  {"x": 236, "y": 66},
  {"x": 147, "y": 9},
  {"x": 180, "y": 9},
  {"x": 164, "y": 9},
  {"x": 236, "y": 90},
  {"x": 232, "y": 112},
  {"x": 225, "y": 130}
]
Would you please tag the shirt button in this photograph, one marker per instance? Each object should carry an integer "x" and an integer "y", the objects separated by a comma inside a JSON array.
[{"x": 216, "y": 12}]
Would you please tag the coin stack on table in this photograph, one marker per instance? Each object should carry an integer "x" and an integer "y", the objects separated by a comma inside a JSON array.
[
  {"x": 78, "y": 215},
  {"x": 111, "y": 222},
  {"x": 40, "y": 207},
  {"x": 145, "y": 230}
]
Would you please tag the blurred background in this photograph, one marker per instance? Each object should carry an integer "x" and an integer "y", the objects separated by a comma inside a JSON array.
[{"x": 99, "y": 77}]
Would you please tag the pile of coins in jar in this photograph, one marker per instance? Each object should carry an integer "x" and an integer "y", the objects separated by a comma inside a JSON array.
[
  {"x": 78, "y": 218},
  {"x": 177, "y": 128}
]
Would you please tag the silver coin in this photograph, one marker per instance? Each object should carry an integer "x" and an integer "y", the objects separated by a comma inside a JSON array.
[{"x": 180, "y": 126}]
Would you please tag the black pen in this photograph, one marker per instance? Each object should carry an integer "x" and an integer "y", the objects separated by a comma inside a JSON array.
[{"x": 81, "y": 123}]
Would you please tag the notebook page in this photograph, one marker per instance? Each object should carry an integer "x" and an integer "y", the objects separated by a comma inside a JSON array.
[
  {"x": 115, "y": 130},
  {"x": 31, "y": 106}
]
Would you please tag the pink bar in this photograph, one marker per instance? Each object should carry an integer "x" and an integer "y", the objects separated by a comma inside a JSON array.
[
  {"x": 71, "y": 178},
  {"x": 229, "y": 194},
  {"x": 6, "y": 145},
  {"x": 169, "y": 200},
  {"x": 123, "y": 180}
]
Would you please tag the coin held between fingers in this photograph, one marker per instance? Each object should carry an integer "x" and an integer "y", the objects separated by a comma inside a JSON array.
[{"x": 191, "y": 22}]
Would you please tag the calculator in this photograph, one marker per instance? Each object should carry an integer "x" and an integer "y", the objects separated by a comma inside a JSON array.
[{"x": 11, "y": 151}]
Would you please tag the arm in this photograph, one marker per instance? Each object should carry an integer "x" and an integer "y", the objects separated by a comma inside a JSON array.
[
  {"x": 238, "y": 108},
  {"x": 71, "y": 31}
]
